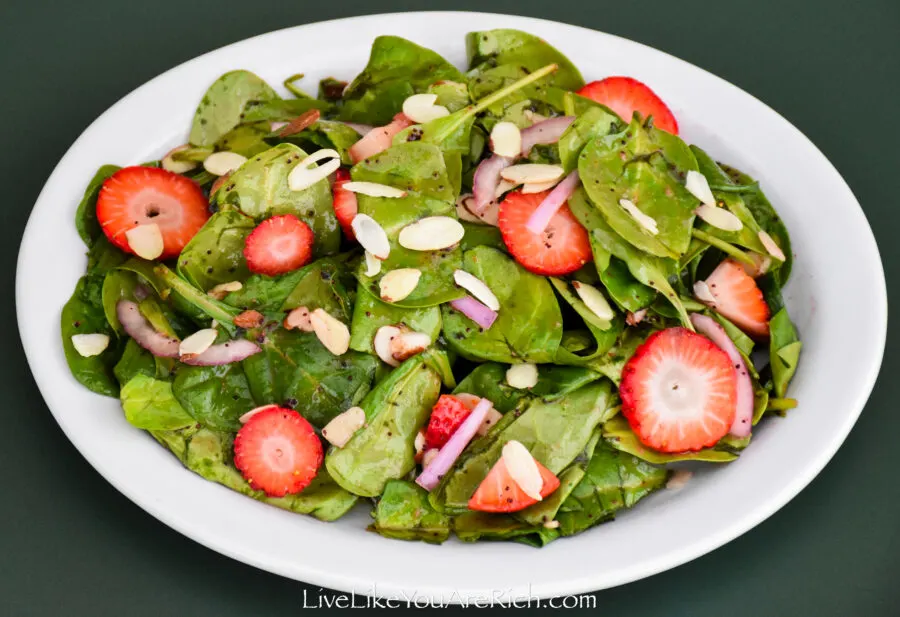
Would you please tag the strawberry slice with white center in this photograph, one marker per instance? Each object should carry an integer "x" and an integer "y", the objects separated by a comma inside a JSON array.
[
  {"x": 738, "y": 298},
  {"x": 278, "y": 245},
  {"x": 679, "y": 391}
]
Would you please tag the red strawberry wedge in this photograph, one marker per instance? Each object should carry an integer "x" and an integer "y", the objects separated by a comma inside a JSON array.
[
  {"x": 498, "y": 492},
  {"x": 277, "y": 451},
  {"x": 446, "y": 416},
  {"x": 561, "y": 248},
  {"x": 278, "y": 245},
  {"x": 738, "y": 298},
  {"x": 378, "y": 139},
  {"x": 345, "y": 205},
  {"x": 625, "y": 96},
  {"x": 679, "y": 391},
  {"x": 146, "y": 195}
]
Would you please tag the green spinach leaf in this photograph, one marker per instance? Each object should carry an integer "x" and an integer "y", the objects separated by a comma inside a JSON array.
[
  {"x": 216, "y": 253},
  {"x": 222, "y": 106},
  {"x": 370, "y": 314},
  {"x": 505, "y": 46},
  {"x": 215, "y": 396},
  {"x": 403, "y": 513},
  {"x": 86, "y": 214},
  {"x": 619, "y": 435},
  {"x": 149, "y": 404}
]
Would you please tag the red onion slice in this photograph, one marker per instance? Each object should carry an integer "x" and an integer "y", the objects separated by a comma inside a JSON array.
[
  {"x": 362, "y": 129},
  {"x": 145, "y": 335},
  {"x": 475, "y": 310},
  {"x": 485, "y": 181},
  {"x": 545, "y": 212},
  {"x": 224, "y": 353},
  {"x": 743, "y": 419},
  {"x": 378, "y": 139},
  {"x": 458, "y": 441},
  {"x": 547, "y": 132}
]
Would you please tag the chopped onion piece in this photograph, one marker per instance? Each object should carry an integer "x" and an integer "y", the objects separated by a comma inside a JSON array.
[
  {"x": 544, "y": 213},
  {"x": 485, "y": 181},
  {"x": 224, "y": 353},
  {"x": 545, "y": 132},
  {"x": 475, "y": 310}
]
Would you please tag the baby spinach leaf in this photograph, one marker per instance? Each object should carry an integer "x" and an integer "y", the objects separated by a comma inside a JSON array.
[
  {"x": 222, "y": 106},
  {"x": 295, "y": 366},
  {"x": 246, "y": 139},
  {"x": 441, "y": 362},
  {"x": 86, "y": 214},
  {"x": 473, "y": 526},
  {"x": 784, "y": 343},
  {"x": 326, "y": 134},
  {"x": 481, "y": 235},
  {"x": 397, "y": 69},
  {"x": 546, "y": 510},
  {"x": 135, "y": 360},
  {"x": 215, "y": 396},
  {"x": 192, "y": 301},
  {"x": 370, "y": 314},
  {"x": 403, "y": 513},
  {"x": 524, "y": 91},
  {"x": 260, "y": 189},
  {"x": 612, "y": 481},
  {"x": 505, "y": 46},
  {"x": 454, "y": 95},
  {"x": 604, "y": 333},
  {"x": 384, "y": 448},
  {"x": 593, "y": 123},
  {"x": 280, "y": 110},
  {"x": 555, "y": 432},
  {"x": 614, "y": 361},
  {"x": 216, "y": 253},
  {"x": 149, "y": 404},
  {"x": 624, "y": 289},
  {"x": 411, "y": 166},
  {"x": 619, "y": 435},
  {"x": 525, "y": 299}
]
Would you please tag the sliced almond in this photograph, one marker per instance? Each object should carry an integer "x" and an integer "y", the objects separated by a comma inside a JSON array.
[
  {"x": 463, "y": 203},
  {"x": 477, "y": 288},
  {"x": 382, "y": 343},
  {"x": 221, "y": 163},
  {"x": 249, "y": 319},
  {"x": 398, "y": 284},
  {"x": 331, "y": 332},
  {"x": 594, "y": 299},
  {"x": 522, "y": 376},
  {"x": 246, "y": 417},
  {"x": 506, "y": 140},
  {"x": 146, "y": 241},
  {"x": 89, "y": 345},
  {"x": 491, "y": 214},
  {"x": 633, "y": 319},
  {"x": 554, "y": 524},
  {"x": 432, "y": 233},
  {"x": 299, "y": 318},
  {"x": 419, "y": 443},
  {"x": 679, "y": 479},
  {"x": 178, "y": 167},
  {"x": 429, "y": 456},
  {"x": 373, "y": 264},
  {"x": 198, "y": 342},
  {"x": 703, "y": 293},
  {"x": 538, "y": 187},
  {"x": 697, "y": 186},
  {"x": 502, "y": 187},
  {"x": 642, "y": 219},
  {"x": 422, "y": 108},
  {"x": 490, "y": 420},
  {"x": 523, "y": 469},
  {"x": 407, "y": 344},
  {"x": 532, "y": 173},
  {"x": 533, "y": 116},
  {"x": 342, "y": 427},
  {"x": 770, "y": 245},
  {"x": 719, "y": 218},
  {"x": 373, "y": 189},
  {"x": 223, "y": 289},
  {"x": 371, "y": 235},
  {"x": 305, "y": 174}
]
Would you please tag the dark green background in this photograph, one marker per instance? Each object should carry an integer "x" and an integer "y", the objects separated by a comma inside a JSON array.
[{"x": 71, "y": 545}]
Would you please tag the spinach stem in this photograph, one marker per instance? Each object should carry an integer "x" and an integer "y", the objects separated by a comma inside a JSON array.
[
  {"x": 781, "y": 404},
  {"x": 219, "y": 311},
  {"x": 735, "y": 188},
  {"x": 723, "y": 246},
  {"x": 289, "y": 84}
]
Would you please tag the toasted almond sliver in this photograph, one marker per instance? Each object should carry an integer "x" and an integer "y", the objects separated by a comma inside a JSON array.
[
  {"x": 491, "y": 214},
  {"x": 719, "y": 218},
  {"x": 770, "y": 245},
  {"x": 431, "y": 233},
  {"x": 429, "y": 456},
  {"x": 679, "y": 479},
  {"x": 371, "y": 235},
  {"x": 145, "y": 240},
  {"x": 594, "y": 299},
  {"x": 502, "y": 187},
  {"x": 373, "y": 189},
  {"x": 419, "y": 442},
  {"x": 407, "y": 344},
  {"x": 342, "y": 427},
  {"x": 531, "y": 173},
  {"x": 422, "y": 108},
  {"x": 331, "y": 332},
  {"x": 551, "y": 524},
  {"x": 506, "y": 140},
  {"x": 533, "y": 117},
  {"x": 463, "y": 203},
  {"x": 382, "y": 343},
  {"x": 633, "y": 319},
  {"x": 523, "y": 469},
  {"x": 223, "y": 289},
  {"x": 198, "y": 342},
  {"x": 89, "y": 345},
  {"x": 221, "y": 163},
  {"x": 373, "y": 264},
  {"x": 304, "y": 175},
  {"x": 703, "y": 293},
  {"x": 538, "y": 187},
  {"x": 477, "y": 288},
  {"x": 697, "y": 186},
  {"x": 178, "y": 167},
  {"x": 299, "y": 318},
  {"x": 246, "y": 417},
  {"x": 642, "y": 219},
  {"x": 522, "y": 376},
  {"x": 490, "y": 420},
  {"x": 398, "y": 284}
]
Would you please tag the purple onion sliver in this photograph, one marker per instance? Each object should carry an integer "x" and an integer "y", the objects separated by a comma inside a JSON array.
[
  {"x": 485, "y": 181},
  {"x": 475, "y": 310},
  {"x": 458, "y": 441},
  {"x": 144, "y": 334},
  {"x": 224, "y": 353},
  {"x": 546, "y": 132},
  {"x": 544, "y": 213}
]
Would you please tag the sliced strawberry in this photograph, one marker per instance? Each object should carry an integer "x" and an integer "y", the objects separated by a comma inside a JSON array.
[
  {"x": 739, "y": 298},
  {"x": 280, "y": 244},
  {"x": 498, "y": 492},
  {"x": 561, "y": 248},
  {"x": 446, "y": 416},
  {"x": 345, "y": 205},
  {"x": 144, "y": 195},
  {"x": 679, "y": 391},
  {"x": 378, "y": 139},
  {"x": 625, "y": 96},
  {"x": 278, "y": 452}
]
